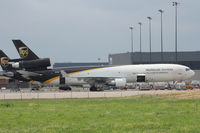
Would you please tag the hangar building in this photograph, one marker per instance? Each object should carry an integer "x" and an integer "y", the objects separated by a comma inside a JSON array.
[
  {"x": 190, "y": 59},
  {"x": 70, "y": 64}
]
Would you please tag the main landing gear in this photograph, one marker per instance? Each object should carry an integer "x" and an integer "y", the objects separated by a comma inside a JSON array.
[
  {"x": 93, "y": 88},
  {"x": 65, "y": 88}
]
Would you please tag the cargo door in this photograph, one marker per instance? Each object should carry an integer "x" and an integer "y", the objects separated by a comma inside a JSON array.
[{"x": 141, "y": 78}]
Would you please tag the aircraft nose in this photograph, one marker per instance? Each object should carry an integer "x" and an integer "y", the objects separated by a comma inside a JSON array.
[{"x": 192, "y": 73}]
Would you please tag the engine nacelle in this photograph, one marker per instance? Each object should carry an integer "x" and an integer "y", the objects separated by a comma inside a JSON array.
[
  {"x": 28, "y": 64},
  {"x": 118, "y": 82}
]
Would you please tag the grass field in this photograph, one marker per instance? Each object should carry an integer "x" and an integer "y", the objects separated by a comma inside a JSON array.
[{"x": 163, "y": 113}]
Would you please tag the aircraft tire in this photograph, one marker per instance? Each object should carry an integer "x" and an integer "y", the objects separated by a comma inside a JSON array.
[
  {"x": 93, "y": 88},
  {"x": 65, "y": 88}
]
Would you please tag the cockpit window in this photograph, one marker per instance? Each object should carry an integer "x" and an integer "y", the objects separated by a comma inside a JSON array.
[{"x": 187, "y": 69}]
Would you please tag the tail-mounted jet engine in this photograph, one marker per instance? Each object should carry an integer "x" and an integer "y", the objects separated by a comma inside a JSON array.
[{"x": 31, "y": 64}]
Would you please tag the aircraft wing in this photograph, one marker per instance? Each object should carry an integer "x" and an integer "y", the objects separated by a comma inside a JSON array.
[
  {"x": 91, "y": 79},
  {"x": 7, "y": 74},
  {"x": 27, "y": 74}
]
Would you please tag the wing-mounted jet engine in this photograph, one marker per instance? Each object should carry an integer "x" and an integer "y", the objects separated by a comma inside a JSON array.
[{"x": 118, "y": 82}]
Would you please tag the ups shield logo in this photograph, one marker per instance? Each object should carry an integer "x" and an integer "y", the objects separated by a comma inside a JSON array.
[
  {"x": 23, "y": 51},
  {"x": 4, "y": 61}
]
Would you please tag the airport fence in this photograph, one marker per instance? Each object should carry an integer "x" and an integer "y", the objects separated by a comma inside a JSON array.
[{"x": 71, "y": 94}]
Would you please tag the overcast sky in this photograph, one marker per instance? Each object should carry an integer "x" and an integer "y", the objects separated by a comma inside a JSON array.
[{"x": 84, "y": 30}]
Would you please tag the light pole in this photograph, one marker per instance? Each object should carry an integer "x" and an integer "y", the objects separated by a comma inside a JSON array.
[
  {"x": 131, "y": 28},
  {"x": 140, "y": 41},
  {"x": 175, "y": 4},
  {"x": 150, "y": 37},
  {"x": 161, "y": 33},
  {"x": 99, "y": 60}
]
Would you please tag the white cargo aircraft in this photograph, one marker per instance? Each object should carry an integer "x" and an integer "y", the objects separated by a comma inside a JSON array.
[{"x": 119, "y": 76}]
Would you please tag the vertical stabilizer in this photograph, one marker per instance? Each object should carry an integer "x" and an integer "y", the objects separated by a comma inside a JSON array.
[
  {"x": 24, "y": 52},
  {"x": 4, "y": 61}
]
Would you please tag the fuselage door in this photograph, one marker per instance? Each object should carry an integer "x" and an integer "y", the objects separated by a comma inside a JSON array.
[{"x": 141, "y": 78}]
